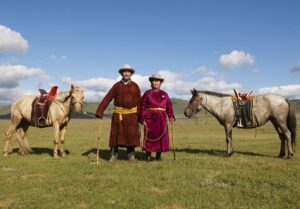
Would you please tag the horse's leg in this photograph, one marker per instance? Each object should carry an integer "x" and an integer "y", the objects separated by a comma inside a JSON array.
[
  {"x": 15, "y": 121},
  {"x": 282, "y": 138},
  {"x": 228, "y": 132},
  {"x": 22, "y": 129},
  {"x": 56, "y": 139},
  {"x": 62, "y": 140},
  {"x": 288, "y": 138}
]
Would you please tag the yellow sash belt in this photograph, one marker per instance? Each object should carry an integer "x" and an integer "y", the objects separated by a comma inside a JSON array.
[
  {"x": 157, "y": 108},
  {"x": 124, "y": 111}
]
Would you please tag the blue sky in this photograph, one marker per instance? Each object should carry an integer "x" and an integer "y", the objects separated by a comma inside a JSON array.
[{"x": 207, "y": 45}]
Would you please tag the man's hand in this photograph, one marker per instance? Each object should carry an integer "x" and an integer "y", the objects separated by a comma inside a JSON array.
[{"x": 97, "y": 116}]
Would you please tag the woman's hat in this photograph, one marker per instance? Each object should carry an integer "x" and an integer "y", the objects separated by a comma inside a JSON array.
[
  {"x": 126, "y": 67},
  {"x": 156, "y": 76}
]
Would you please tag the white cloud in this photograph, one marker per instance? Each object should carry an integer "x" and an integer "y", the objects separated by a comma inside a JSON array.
[
  {"x": 10, "y": 78},
  {"x": 11, "y": 41},
  {"x": 236, "y": 59},
  {"x": 175, "y": 84},
  {"x": 296, "y": 69},
  {"x": 290, "y": 91},
  {"x": 256, "y": 70},
  {"x": 96, "y": 84},
  {"x": 12, "y": 74},
  {"x": 57, "y": 57},
  {"x": 204, "y": 70},
  {"x": 9, "y": 95}
]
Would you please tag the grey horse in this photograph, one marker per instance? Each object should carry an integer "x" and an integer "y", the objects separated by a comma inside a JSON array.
[{"x": 268, "y": 107}]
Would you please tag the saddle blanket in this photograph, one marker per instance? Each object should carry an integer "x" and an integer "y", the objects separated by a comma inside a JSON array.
[
  {"x": 39, "y": 113},
  {"x": 244, "y": 115}
]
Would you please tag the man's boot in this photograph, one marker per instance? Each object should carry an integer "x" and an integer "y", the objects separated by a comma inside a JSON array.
[
  {"x": 131, "y": 153},
  {"x": 114, "y": 154}
]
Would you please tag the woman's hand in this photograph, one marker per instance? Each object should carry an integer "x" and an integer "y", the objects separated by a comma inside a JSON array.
[{"x": 172, "y": 120}]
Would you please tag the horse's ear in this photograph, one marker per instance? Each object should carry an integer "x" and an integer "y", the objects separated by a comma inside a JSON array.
[
  {"x": 72, "y": 86},
  {"x": 194, "y": 91}
]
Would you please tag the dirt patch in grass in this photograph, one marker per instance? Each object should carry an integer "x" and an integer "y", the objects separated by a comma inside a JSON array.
[
  {"x": 32, "y": 175},
  {"x": 174, "y": 206},
  {"x": 82, "y": 205},
  {"x": 8, "y": 169},
  {"x": 159, "y": 190},
  {"x": 6, "y": 203}
]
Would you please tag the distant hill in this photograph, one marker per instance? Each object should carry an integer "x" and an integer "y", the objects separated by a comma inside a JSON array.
[
  {"x": 178, "y": 106},
  {"x": 90, "y": 108},
  {"x": 296, "y": 105},
  {"x": 4, "y": 109}
]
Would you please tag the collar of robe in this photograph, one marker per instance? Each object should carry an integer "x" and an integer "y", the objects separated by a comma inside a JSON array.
[{"x": 126, "y": 82}]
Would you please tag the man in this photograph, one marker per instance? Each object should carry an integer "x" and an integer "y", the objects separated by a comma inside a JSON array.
[{"x": 124, "y": 125}]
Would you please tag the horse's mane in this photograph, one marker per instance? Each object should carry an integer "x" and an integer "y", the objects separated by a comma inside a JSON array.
[
  {"x": 63, "y": 96},
  {"x": 214, "y": 93}
]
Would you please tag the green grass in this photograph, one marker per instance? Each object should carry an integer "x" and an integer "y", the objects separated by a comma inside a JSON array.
[{"x": 201, "y": 177}]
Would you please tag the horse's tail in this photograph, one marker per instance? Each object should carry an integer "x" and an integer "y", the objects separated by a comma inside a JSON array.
[
  {"x": 292, "y": 123},
  {"x": 23, "y": 143}
]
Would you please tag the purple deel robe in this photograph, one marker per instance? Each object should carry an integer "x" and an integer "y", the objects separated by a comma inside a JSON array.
[{"x": 156, "y": 132}]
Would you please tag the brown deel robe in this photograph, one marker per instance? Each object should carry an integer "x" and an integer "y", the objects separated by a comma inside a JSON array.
[{"x": 126, "y": 132}]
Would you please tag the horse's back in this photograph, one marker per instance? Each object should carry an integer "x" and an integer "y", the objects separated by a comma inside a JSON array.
[
  {"x": 23, "y": 107},
  {"x": 272, "y": 99},
  {"x": 272, "y": 103}
]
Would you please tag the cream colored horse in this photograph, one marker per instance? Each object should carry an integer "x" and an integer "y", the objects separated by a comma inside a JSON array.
[{"x": 58, "y": 117}]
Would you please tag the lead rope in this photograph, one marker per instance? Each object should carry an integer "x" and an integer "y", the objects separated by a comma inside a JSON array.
[
  {"x": 205, "y": 109},
  {"x": 98, "y": 141},
  {"x": 153, "y": 140}
]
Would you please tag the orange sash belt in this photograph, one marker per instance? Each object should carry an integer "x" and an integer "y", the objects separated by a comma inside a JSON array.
[{"x": 157, "y": 108}]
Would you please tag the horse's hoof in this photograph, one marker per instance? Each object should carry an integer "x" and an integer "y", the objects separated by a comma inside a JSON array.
[
  {"x": 229, "y": 154},
  {"x": 281, "y": 155},
  {"x": 55, "y": 157},
  {"x": 290, "y": 156},
  {"x": 5, "y": 154},
  {"x": 63, "y": 155}
]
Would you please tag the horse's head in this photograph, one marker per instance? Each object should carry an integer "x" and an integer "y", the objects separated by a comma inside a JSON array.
[
  {"x": 195, "y": 104},
  {"x": 77, "y": 98}
]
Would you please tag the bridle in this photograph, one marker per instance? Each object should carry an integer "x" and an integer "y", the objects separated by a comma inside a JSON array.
[
  {"x": 73, "y": 103},
  {"x": 192, "y": 107}
]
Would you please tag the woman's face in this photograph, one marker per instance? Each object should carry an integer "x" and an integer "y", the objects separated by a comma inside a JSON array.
[{"x": 155, "y": 84}]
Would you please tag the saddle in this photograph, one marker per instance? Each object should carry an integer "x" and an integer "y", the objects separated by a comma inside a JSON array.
[
  {"x": 243, "y": 105},
  {"x": 40, "y": 107}
]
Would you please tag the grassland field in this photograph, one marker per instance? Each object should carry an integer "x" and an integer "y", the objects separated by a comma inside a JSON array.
[{"x": 201, "y": 176}]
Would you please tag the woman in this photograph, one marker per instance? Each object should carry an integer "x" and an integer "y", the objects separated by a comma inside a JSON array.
[{"x": 155, "y": 107}]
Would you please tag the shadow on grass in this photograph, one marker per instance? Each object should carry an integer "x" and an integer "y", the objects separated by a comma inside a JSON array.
[
  {"x": 105, "y": 154},
  {"x": 219, "y": 153},
  {"x": 40, "y": 151}
]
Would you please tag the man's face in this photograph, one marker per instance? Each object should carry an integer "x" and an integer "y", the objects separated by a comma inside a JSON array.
[{"x": 126, "y": 75}]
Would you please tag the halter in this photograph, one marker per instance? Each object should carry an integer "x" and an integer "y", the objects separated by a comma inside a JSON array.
[
  {"x": 75, "y": 102},
  {"x": 71, "y": 105}
]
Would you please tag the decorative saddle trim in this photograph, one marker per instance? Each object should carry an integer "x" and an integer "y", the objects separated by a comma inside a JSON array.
[
  {"x": 40, "y": 107},
  {"x": 243, "y": 106}
]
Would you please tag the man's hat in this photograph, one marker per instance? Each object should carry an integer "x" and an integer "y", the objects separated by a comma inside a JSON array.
[
  {"x": 156, "y": 76},
  {"x": 126, "y": 67}
]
